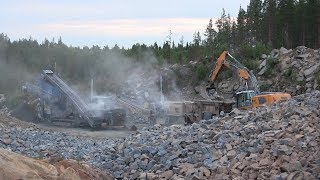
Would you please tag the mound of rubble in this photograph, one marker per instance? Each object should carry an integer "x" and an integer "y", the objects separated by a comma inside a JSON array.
[
  {"x": 278, "y": 142},
  {"x": 295, "y": 70},
  {"x": 281, "y": 142}
]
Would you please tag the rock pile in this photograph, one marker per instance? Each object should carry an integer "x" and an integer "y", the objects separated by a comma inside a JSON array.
[
  {"x": 281, "y": 142},
  {"x": 295, "y": 71},
  {"x": 278, "y": 142}
]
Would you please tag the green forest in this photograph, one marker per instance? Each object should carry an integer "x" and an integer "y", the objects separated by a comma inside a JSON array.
[{"x": 264, "y": 25}]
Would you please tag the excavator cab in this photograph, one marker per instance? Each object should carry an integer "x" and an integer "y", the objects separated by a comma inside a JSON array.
[{"x": 244, "y": 99}]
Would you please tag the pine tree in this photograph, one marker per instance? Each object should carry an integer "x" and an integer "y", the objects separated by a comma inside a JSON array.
[
  {"x": 197, "y": 39},
  {"x": 311, "y": 20},
  {"x": 241, "y": 34},
  {"x": 254, "y": 15},
  {"x": 269, "y": 18},
  {"x": 317, "y": 45},
  {"x": 234, "y": 34},
  {"x": 224, "y": 30},
  {"x": 286, "y": 9},
  {"x": 210, "y": 34}
]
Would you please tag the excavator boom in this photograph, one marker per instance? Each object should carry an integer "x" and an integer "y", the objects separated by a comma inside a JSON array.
[
  {"x": 219, "y": 65},
  {"x": 241, "y": 70}
]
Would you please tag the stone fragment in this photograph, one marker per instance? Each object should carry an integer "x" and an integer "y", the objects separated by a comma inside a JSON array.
[
  {"x": 265, "y": 162},
  {"x": 275, "y": 53},
  {"x": 229, "y": 147},
  {"x": 7, "y": 141},
  {"x": 263, "y": 64},
  {"x": 205, "y": 171},
  {"x": 166, "y": 174},
  {"x": 283, "y": 50},
  {"x": 231, "y": 153},
  {"x": 262, "y": 71},
  {"x": 312, "y": 70},
  {"x": 302, "y": 57},
  {"x": 255, "y": 166},
  {"x": 291, "y": 167}
]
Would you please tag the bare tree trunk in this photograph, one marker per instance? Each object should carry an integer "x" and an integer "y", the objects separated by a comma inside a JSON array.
[
  {"x": 286, "y": 36},
  {"x": 303, "y": 34},
  {"x": 269, "y": 33}
]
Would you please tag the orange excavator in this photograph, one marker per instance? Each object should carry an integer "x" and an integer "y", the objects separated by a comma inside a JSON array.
[{"x": 250, "y": 96}]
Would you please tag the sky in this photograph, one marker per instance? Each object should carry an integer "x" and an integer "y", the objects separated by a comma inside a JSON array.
[{"x": 106, "y": 23}]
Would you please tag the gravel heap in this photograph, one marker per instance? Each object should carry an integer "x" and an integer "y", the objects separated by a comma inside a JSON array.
[
  {"x": 279, "y": 142},
  {"x": 270, "y": 143}
]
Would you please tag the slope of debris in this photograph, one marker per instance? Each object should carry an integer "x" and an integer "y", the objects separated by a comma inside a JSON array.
[
  {"x": 281, "y": 142},
  {"x": 268, "y": 143},
  {"x": 295, "y": 70},
  {"x": 15, "y": 166}
]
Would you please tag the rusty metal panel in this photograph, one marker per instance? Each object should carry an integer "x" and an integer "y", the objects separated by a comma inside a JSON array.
[{"x": 189, "y": 107}]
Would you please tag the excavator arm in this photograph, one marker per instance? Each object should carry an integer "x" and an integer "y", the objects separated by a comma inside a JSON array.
[
  {"x": 242, "y": 71},
  {"x": 219, "y": 64}
]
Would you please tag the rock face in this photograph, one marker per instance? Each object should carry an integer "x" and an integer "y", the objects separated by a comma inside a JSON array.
[
  {"x": 15, "y": 166},
  {"x": 295, "y": 71},
  {"x": 278, "y": 142}
]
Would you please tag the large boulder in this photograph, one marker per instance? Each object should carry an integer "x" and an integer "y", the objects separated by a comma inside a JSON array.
[
  {"x": 312, "y": 70},
  {"x": 263, "y": 64},
  {"x": 262, "y": 71},
  {"x": 283, "y": 50}
]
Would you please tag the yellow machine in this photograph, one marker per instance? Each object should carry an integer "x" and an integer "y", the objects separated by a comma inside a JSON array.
[{"x": 250, "y": 97}]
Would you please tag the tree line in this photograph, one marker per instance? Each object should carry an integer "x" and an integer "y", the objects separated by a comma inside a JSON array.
[{"x": 262, "y": 26}]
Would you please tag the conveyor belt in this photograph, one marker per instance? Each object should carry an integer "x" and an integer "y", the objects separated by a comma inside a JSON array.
[
  {"x": 75, "y": 99},
  {"x": 133, "y": 108}
]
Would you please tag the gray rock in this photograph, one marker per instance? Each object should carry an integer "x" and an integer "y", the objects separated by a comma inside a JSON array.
[
  {"x": 302, "y": 57},
  {"x": 151, "y": 164},
  {"x": 262, "y": 71},
  {"x": 6, "y": 141},
  {"x": 301, "y": 49},
  {"x": 283, "y": 50},
  {"x": 167, "y": 174},
  {"x": 300, "y": 78},
  {"x": 312, "y": 70},
  {"x": 192, "y": 159},
  {"x": 231, "y": 153},
  {"x": 264, "y": 56},
  {"x": 161, "y": 152},
  {"x": 275, "y": 53},
  {"x": 263, "y": 64},
  {"x": 118, "y": 175},
  {"x": 291, "y": 167}
]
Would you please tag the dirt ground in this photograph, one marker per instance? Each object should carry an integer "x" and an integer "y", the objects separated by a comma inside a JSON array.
[{"x": 86, "y": 132}]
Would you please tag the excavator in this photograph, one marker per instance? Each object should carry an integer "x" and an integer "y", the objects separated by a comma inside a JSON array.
[{"x": 249, "y": 95}]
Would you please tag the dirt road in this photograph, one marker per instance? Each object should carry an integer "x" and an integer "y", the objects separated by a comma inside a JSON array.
[{"x": 109, "y": 134}]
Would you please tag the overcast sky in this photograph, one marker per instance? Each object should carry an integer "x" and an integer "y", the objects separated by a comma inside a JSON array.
[{"x": 106, "y": 22}]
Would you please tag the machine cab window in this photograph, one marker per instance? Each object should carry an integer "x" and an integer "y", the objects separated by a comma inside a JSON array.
[
  {"x": 244, "y": 98},
  {"x": 262, "y": 100}
]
